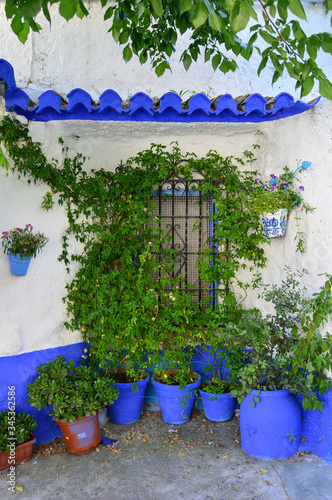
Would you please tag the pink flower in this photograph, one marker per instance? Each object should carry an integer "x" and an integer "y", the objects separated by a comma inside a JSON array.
[
  {"x": 25, "y": 249},
  {"x": 18, "y": 229}
]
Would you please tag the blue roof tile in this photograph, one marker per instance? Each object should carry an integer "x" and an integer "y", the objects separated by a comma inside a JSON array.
[{"x": 170, "y": 107}]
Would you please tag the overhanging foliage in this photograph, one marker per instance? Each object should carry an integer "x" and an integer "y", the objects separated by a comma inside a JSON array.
[{"x": 150, "y": 29}]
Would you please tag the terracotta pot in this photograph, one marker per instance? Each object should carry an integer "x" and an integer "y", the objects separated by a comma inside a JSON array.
[
  {"x": 82, "y": 435},
  {"x": 21, "y": 454}
]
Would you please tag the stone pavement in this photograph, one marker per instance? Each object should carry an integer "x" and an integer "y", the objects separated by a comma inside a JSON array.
[{"x": 152, "y": 460}]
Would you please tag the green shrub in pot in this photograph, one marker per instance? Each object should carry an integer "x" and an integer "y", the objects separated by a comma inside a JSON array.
[
  {"x": 15, "y": 428},
  {"x": 72, "y": 391}
]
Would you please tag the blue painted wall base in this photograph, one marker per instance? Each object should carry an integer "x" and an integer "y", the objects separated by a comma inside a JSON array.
[{"x": 19, "y": 371}]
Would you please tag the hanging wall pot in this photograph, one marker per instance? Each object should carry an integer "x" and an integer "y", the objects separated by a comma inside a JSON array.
[{"x": 275, "y": 223}]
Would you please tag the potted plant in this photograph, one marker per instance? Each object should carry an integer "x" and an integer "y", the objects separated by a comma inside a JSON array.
[
  {"x": 224, "y": 349},
  {"x": 274, "y": 199},
  {"x": 291, "y": 360},
  {"x": 76, "y": 393},
  {"x": 21, "y": 245},
  {"x": 174, "y": 332},
  {"x": 312, "y": 355},
  {"x": 16, "y": 438}
]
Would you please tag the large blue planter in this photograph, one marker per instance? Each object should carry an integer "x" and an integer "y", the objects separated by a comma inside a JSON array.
[
  {"x": 18, "y": 265},
  {"x": 176, "y": 404},
  {"x": 127, "y": 408},
  {"x": 271, "y": 429},
  {"x": 324, "y": 446},
  {"x": 311, "y": 427},
  {"x": 218, "y": 407}
]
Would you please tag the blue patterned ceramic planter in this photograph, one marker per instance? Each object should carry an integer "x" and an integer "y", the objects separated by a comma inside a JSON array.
[{"x": 275, "y": 223}]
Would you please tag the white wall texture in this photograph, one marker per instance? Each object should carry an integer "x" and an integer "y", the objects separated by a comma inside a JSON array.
[{"x": 82, "y": 54}]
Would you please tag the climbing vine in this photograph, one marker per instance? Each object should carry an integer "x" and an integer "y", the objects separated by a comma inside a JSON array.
[{"x": 114, "y": 299}]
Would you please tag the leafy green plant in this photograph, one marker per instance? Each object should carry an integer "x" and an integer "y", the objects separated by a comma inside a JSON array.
[
  {"x": 72, "y": 391},
  {"x": 23, "y": 241},
  {"x": 15, "y": 428},
  {"x": 216, "y": 386},
  {"x": 127, "y": 303},
  {"x": 277, "y": 192},
  {"x": 292, "y": 354}
]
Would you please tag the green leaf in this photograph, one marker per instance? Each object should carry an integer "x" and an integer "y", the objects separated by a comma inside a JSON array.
[
  {"x": 262, "y": 65},
  {"x": 200, "y": 14},
  {"x": 67, "y": 9},
  {"x": 230, "y": 5},
  {"x": 23, "y": 34},
  {"x": 109, "y": 13},
  {"x": 127, "y": 53},
  {"x": 276, "y": 63},
  {"x": 240, "y": 21},
  {"x": 273, "y": 10},
  {"x": 267, "y": 37},
  {"x": 30, "y": 8},
  {"x": 275, "y": 77},
  {"x": 160, "y": 69},
  {"x": 225, "y": 65},
  {"x": 215, "y": 21},
  {"x": 298, "y": 32},
  {"x": 10, "y": 9},
  {"x": 16, "y": 24},
  {"x": 216, "y": 61},
  {"x": 325, "y": 88},
  {"x": 140, "y": 9},
  {"x": 185, "y": 5},
  {"x": 157, "y": 7},
  {"x": 327, "y": 42},
  {"x": 186, "y": 60},
  {"x": 296, "y": 7},
  {"x": 291, "y": 71},
  {"x": 81, "y": 10},
  {"x": 282, "y": 8},
  {"x": 46, "y": 12},
  {"x": 285, "y": 32},
  {"x": 307, "y": 86}
]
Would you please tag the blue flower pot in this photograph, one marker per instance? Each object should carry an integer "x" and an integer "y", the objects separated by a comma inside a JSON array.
[
  {"x": 271, "y": 429},
  {"x": 176, "y": 404},
  {"x": 18, "y": 265},
  {"x": 218, "y": 407},
  {"x": 127, "y": 408}
]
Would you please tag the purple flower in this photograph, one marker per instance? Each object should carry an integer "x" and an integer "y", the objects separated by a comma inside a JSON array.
[
  {"x": 302, "y": 188},
  {"x": 257, "y": 179},
  {"x": 284, "y": 185},
  {"x": 265, "y": 186}
]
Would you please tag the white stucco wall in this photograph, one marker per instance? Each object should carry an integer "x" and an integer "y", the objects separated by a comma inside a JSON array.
[{"x": 31, "y": 310}]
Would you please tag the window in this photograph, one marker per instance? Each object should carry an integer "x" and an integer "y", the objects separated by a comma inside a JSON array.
[{"x": 185, "y": 217}]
